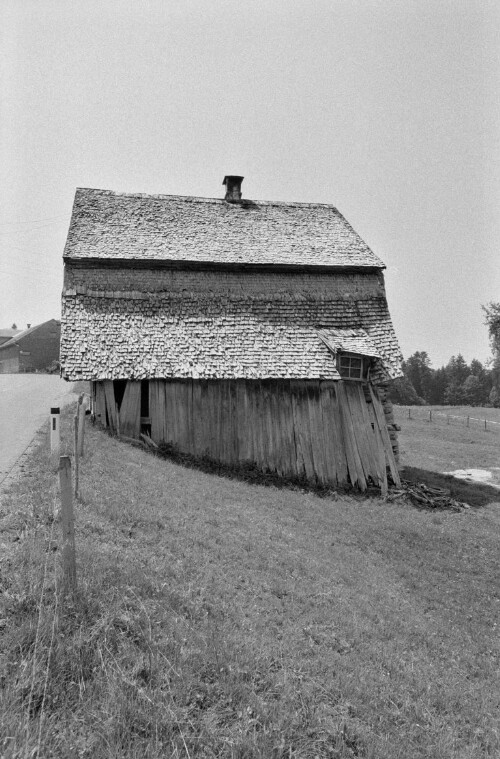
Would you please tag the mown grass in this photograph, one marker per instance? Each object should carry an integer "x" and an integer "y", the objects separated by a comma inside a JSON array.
[
  {"x": 441, "y": 447},
  {"x": 216, "y": 618}
]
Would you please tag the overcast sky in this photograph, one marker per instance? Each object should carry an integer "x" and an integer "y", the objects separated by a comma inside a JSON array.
[{"x": 389, "y": 109}]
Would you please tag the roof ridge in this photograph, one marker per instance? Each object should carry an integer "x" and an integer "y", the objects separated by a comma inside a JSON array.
[{"x": 200, "y": 199}]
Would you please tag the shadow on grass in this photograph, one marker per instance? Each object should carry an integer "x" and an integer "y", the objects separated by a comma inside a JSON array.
[
  {"x": 246, "y": 471},
  {"x": 476, "y": 494}
]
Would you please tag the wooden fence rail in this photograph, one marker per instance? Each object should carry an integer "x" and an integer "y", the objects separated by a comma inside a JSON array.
[{"x": 432, "y": 415}]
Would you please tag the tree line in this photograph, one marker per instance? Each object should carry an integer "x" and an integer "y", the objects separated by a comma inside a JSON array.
[{"x": 457, "y": 383}]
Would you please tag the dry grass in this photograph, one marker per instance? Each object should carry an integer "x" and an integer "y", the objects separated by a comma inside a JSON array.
[{"x": 220, "y": 619}]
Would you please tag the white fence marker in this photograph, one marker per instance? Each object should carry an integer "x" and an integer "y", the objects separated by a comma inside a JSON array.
[{"x": 55, "y": 432}]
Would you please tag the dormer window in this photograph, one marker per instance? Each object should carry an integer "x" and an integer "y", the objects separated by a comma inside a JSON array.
[{"x": 352, "y": 366}]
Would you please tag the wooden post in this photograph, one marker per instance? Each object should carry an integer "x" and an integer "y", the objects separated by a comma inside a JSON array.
[
  {"x": 485, "y": 424},
  {"x": 409, "y": 413},
  {"x": 447, "y": 418},
  {"x": 68, "y": 524},
  {"x": 430, "y": 416},
  {"x": 55, "y": 432},
  {"x": 467, "y": 421},
  {"x": 76, "y": 453},
  {"x": 81, "y": 425}
]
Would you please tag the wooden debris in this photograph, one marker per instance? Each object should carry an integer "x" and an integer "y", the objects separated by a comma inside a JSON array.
[
  {"x": 150, "y": 443},
  {"x": 434, "y": 498}
]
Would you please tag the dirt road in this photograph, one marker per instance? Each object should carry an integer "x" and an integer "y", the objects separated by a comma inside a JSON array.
[{"x": 25, "y": 401}]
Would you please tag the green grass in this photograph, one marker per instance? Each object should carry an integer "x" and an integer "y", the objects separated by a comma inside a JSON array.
[
  {"x": 215, "y": 618},
  {"x": 437, "y": 446}
]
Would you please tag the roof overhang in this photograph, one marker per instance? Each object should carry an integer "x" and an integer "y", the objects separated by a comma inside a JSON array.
[{"x": 150, "y": 263}]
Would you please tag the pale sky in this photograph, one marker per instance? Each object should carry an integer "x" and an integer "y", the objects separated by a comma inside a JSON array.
[{"x": 389, "y": 109}]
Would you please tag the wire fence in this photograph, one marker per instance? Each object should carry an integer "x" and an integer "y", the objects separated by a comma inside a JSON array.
[{"x": 432, "y": 415}]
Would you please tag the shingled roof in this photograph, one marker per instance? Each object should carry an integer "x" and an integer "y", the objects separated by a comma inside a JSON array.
[
  {"x": 210, "y": 289},
  {"x": 179, "y": 335},
  {"x": 170, "y": 228}
]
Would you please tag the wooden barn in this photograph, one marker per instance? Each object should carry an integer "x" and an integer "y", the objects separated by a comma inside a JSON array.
[
  {"x": 34, "y": 349},
  {"x": 241, "y": 330}
]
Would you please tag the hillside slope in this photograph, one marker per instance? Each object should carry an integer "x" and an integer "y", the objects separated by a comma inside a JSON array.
[{"x": 218, "y": 618}]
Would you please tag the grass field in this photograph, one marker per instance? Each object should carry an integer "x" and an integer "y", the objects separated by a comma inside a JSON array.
[
  {"x": 439, "y": 446},
  {"x": 220, "y": 619}
]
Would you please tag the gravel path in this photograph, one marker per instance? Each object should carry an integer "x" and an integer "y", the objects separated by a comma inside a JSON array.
[{"x": 25, "y": 401}]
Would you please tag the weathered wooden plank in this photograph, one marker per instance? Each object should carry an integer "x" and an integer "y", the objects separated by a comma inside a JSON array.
[
  {"x": 288, "y": 414},
  {"x": 167, "y": 393},
  {"x": 188, "y": 387},
  {"x": 334, "y": 452},
  {"x": 216, "y": 412},
  {"x": 282, "y": 447},
  {"x": 250, "y": 419},
  {"x": 255, "y": 421},
  {"x": 281, "y": 436},
  {"x": 295, "y": 402},
  {"x": 100, "y": 403},
  {"x": 169, "y": 412},
  {"x": 225, "y": 422},
  {"x": 130, "y": 410},
  {"x": 183, "y": 415},
  {"x": 202, "y": 415},
  {"x": 360, "y": 430},
  {"x": 317, "y": 439},
  {"x": 369, "y": 438},
  {"x": 308, "y": 429},
  {"x": 154, "y": 410},
  {"x": 221, "y": 412},
  {"x": 196, "y": 418},
  {"x": 233, "y": 423},
  {"x": 211, "y": 416},
  {"x": 381, "y": 465},
  {"x": 377, "y": 449},
  {"x": 185, "y": 407},
  {"x": 268, "y": 426},
  {"x": 254, "y": 399},
  {"x": 389, "y": 454},
  {"x": 173, "y": 412},
  {"x": 302, "y": 429},
  {"x": 353, "y": 461},
  {"x": 265, "y": 426},
  {"x": 92, "y": 399},
  {"x": 242, "y": 420},
  {"x": 112, "y": 414},
  {"x": 162, "y": 411},
  {"x": 237, "y": 410},
  {"x": 179, "y": 415}
]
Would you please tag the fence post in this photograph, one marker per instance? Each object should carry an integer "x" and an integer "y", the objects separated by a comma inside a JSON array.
[
  {"x": 68, "y": 524},
  {"x": 485, "y": 424},
  {"x": 430, "y": 416},
  {"x": 81, "y": 425},
  {"x": 55, "y": 431},
  {"x": 467, "y": 421},
  {"x": 409, "y": 413},
  {"x": 447, "y": 418}
]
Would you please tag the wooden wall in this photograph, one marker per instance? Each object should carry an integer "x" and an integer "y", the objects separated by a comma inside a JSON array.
[{"x": 333, "y": 433}]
